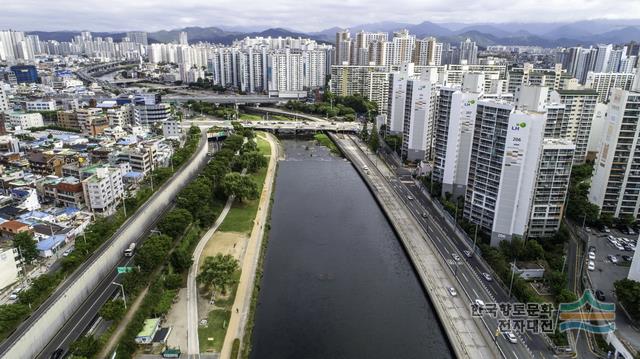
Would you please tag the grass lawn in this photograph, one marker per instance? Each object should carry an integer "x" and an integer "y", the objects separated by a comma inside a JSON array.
[
  {"x": 264, "y": 147},
  {"x": 324, "y": 140},
  {"x": 250, "y": 117},
  {"x": 218, "y": 320},
  {"x": 216, "y": 329}
]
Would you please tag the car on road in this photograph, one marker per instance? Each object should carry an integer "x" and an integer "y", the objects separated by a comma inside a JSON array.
[
  {"x": 410, "y": 197},
  {"x": 591, "y": 265},
  {"x": 467, "y": 253},
  {"x": 487, "y": 276},
  {"x": 479, "y": 303},
  {"x": 587, "y": 229},
  {"x": 605, "y": 229},
  {"x": 612, "y": 258},
  {"x": 452, "y": 291},
  {"x": 455, "y": 257},
  {"x": 424, "y": 215},
  {"x": 592, "y": 255},
  {"x": 510, "y": 337},
  {"x": 600, "y": 295},
  {"x": 57, "y": 354}
]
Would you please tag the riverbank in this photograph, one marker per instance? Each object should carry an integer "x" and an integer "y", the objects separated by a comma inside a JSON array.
[{"x": 241, "y": 305}]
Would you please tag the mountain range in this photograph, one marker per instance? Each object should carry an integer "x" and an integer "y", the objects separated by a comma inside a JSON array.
[{"x": 587, "y": 32}]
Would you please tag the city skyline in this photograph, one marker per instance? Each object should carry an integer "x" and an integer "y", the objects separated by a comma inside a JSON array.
[{"x": 314, "y": 16}]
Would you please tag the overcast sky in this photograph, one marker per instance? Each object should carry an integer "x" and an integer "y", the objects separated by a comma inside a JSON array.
[{"x": 304, "y": 15}]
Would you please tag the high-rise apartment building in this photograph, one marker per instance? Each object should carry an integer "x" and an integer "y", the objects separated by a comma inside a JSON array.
[
  {"x": 468, "y": 52},
  {"x": 453, "y": 135},
  {"x": 551, "y": 187},
  {"x": 579, "y": 112},
  {"x": 343, "y": 47},
  {"x": 427, "y": 52},
  {"x": 615, "y": 185},
  {"x": 371, "y": 82},
  {"x": 138, "y": 37},
  {"x": 505, "y": 152},
  {"x": 603, "y": 82}
]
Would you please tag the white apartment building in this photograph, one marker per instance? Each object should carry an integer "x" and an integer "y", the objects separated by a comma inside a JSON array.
[
  {"x": 24, "y": 120},
  {"x": 285, "y": 71},
  {"x": 615, "y": 185},
  {"x": 371, "y": 82},
  {"x": 427, "y": 52},
  {"x": 104, "y": 190},
  {"x": 603, "y": 82},
  {"x": 40, "y": 105},
  {"x": 172, "y": 129},
  {"x": 453, "y": 137},
  {"x": 579, "y": 112},
  {"x": 418, "y": 119},
  {"x": 400, "y": 49},
  {"x": 552, "y": 185},
  {"x": 505, "y": 152},
  {"x": 4, "y": 100},
  {"x": 10, "y": 266},
  {"x": 150, "y": 114}
]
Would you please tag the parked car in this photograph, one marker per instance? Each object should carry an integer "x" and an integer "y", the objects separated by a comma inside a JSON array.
[
  {"x": 612, "y": 258},
  {"x": 591, "y": 265},
  {"x": 487, "y": 276},
  {"x": 592, "y": 249},
  {"x": 510, "y": 337},
  {"x": 452, "y": 291},
  {"x": 627, "y": 258},
  {"x": 600, "y": 295},
  {"x": 606, "y": 229},
  {"x": 592, "y": 256}
]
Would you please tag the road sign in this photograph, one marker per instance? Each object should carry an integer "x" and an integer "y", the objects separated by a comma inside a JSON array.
[{"x": 125, "y": 270}]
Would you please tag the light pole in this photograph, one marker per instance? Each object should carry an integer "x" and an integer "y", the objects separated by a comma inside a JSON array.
[
  {"x": 513, "y": 272},
  {"x": 124, "y": 299}
]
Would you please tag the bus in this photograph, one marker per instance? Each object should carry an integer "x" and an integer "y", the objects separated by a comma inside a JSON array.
[{"x": 129, "y": 251}]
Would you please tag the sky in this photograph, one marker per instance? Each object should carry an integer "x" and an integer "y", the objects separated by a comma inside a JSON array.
[{"x": 306, "y": 15}]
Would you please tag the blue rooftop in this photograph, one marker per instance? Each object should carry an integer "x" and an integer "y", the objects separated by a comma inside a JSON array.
[{"x": 50, "y": 242}]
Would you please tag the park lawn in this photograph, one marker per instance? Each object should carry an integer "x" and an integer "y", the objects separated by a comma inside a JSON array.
[
  {"x": 216, "y": 328},
  {"x": 324, "y": 140},
  {"x": 218, "y": 319},
  {"x": 250, "y": 117},
  {"x": 264, "y": 147},
  {"x": 241, "y": 215}
]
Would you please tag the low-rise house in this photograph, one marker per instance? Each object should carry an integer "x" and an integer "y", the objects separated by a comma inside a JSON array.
[
  {"x": 10, "y": 228},
  {"x": 528, "y": 270}
]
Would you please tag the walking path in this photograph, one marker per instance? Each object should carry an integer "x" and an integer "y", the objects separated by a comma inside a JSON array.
[
  {"x": 193, "y": 342},
  {"x": 115, "y": 337},
  {"x": 242, "y": 302}
]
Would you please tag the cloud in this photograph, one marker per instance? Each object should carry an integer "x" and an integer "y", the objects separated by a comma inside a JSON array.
[{"x": 310, "y": 15}]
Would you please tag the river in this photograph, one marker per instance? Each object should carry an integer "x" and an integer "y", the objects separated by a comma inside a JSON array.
[{"x": 336, "y": 282}]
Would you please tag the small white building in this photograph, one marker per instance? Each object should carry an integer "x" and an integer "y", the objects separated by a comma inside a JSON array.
[
  {"x": 104, "y": 190},
  {"x": 40, "y": 105},
  {"x": 172, "y": 129},
  {"x": 10, "y": 266},
  {"x": 528, "y": 270},
  {"x": 24, "y": 120}
]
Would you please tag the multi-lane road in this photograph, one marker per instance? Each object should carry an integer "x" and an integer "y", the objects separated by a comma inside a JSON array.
[{"x": 468, "y": 271}]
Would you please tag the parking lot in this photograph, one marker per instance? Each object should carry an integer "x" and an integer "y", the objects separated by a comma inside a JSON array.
[{"x": 607, "y": 272}]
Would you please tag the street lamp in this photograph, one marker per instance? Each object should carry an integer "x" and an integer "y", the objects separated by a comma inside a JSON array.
[{"x": 123, "y": 297}]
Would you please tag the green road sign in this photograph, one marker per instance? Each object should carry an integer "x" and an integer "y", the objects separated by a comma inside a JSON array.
[{"x": 124, "y": 269}]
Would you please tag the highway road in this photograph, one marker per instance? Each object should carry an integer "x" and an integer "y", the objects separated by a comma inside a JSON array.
[
  {"x": 467, "y": 270},
  {"x": 406, "y": 185}
]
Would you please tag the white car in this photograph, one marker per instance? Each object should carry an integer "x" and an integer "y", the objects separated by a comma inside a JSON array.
[
  {"x": 455, "y": 257},
  {"x": 487, "y": 276},
  {"x": 410, "y": 197},
  {"x": 452, "y": 291},
  {"x": 613, "y": 258},
  {"x": 467, "y": 253},
  {"x": 591, "y": 265},
  {"x": 510, "y": 337},
  {"x": 479, "y": 303},
  {"x": 592, "y": 256}
]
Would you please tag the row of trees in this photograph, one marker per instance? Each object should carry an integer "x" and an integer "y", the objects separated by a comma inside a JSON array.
[{"x": 337, "y": 106}]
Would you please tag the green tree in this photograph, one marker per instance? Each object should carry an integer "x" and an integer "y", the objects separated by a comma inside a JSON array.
[
  {"x": 217, "y": 271},
  {"x": 153, "y": 252},
  {"x": 113, "y": 310},
  {"x": 10, "y": 316},
  {"x": 254, "y": 161},
  {"x": 85, "y": 347},
  {"x": 628, "y": 293},
  {"x": 175, "y": 222},
  {"x": 240, "y": 186},
  {"x": 25, "y": 243},
  {"x": 364, "y": 134},
  {"x": 374, "y": 140},
  {"x": 181, "y": 260}
]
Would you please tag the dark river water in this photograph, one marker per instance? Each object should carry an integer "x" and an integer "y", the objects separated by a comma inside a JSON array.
[{"x": 337, "y": 283}]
